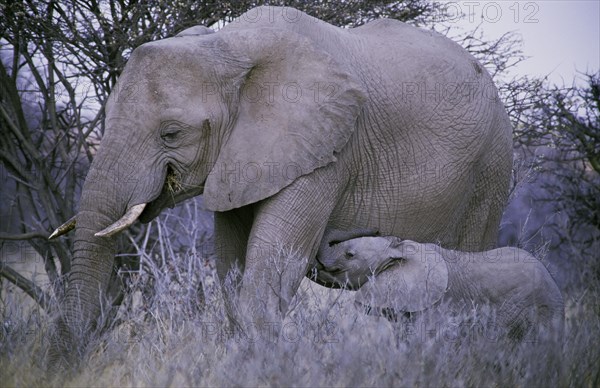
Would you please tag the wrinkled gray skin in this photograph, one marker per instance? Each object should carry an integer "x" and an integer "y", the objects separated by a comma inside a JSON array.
[
  {"x": 289, "y": 125},
  {"x": 395, "y": 276}
]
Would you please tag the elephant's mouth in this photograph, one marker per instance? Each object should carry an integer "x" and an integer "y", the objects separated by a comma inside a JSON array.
[
  {"x": 174, "y": 190},
  {"x": 328, "y": 277}
]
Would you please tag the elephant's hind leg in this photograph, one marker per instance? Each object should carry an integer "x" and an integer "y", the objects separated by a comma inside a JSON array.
[{"x": 480, "y": 223}]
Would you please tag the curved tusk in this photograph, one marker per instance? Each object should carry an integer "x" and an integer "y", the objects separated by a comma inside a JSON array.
[
  {"x": 64, "y": 228},
  {"x": 124, "y": 222}
]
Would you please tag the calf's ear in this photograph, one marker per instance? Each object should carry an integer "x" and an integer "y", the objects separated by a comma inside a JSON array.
[{"x": 417, "y": 279}]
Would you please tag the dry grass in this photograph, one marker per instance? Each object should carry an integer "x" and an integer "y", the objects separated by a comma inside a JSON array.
[
  {"x": 171, "y": 340},
  {"x": 167, "y": 336}
]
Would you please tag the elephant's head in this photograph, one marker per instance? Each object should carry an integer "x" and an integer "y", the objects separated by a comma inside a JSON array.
[
  {"x": 348, "y": 259},
  {"x": 392, "y": 275},
  {"x": 416, "y": 278},
  {"x": 237, "y": 115},
  {"x": 337, "y": 264}
]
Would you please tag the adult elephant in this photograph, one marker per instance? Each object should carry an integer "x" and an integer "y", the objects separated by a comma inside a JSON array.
[{"x": 288, "y": 125}]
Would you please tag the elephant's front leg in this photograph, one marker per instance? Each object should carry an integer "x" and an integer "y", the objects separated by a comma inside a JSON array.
[{"x": 286, "y": 233}]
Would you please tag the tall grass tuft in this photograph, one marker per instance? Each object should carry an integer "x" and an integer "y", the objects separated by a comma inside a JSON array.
[{"x": 171, "y": 331}]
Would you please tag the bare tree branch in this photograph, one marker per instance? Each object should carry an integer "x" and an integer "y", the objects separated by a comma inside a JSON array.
[{"x": 30, "y": 288}]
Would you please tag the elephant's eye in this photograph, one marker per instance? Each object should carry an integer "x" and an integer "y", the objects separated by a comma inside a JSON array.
[
  {"x": 349, "y": 254},
  {"x": 169, "y": 134}
]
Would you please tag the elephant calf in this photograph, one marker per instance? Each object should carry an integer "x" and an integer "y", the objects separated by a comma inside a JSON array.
[{"x": 395, "y": 276}]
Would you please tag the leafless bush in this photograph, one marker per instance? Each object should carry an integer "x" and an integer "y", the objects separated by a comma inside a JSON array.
[{"x": 557, "y": 142}]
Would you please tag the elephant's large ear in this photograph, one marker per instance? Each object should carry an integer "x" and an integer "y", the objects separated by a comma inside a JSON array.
[
  {"x": 417, "y": 280},
  {"x": 298, "y": 106}
]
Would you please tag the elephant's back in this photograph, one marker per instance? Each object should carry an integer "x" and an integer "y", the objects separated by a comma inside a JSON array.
[
  {"x": 330, "y": 38},
  {"x": 398, "y": 50},
  {"x": 406, "y": 44}
]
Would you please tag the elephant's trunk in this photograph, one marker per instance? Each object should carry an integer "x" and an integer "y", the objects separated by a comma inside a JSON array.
[
  {"x": 91, "y": 268},
  {"x": 110, "y": 189}
]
